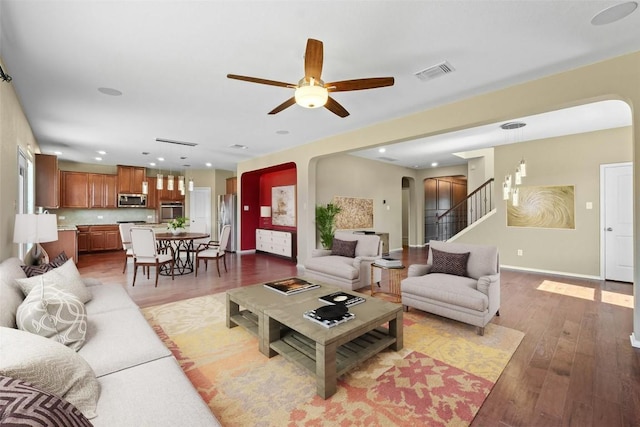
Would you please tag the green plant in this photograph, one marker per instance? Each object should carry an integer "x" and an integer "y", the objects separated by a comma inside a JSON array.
[
  {"x": 325, "y": 223},
  {"x": 177, "y": 223}
]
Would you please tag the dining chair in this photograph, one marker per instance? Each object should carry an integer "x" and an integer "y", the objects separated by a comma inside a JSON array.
[
  {"x": 145, "y": 252},
  {"x": 214, "y": 250},
  {"x": 125, "y": 237}
]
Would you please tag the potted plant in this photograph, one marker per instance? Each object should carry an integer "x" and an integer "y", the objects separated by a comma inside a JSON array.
[
  {"x": 325, "y": 223},
  {"x": 176, "y": 225}
]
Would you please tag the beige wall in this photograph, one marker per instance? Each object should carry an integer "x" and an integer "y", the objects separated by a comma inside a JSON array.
[
  {"x": 15, "y": 133},
  {"x": 568, "y": 160},
  {"x": 214, "y": 179}
]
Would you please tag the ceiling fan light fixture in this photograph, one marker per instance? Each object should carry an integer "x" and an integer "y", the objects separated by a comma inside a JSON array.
[{"x": 311, "y": 95}]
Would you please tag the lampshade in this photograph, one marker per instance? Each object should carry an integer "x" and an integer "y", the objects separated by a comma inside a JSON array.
[
  {"x": 310, "y": 95},
  {"x": 170, "y": 182},
  {"x": 523, "y": 168},
  {"x": 181, "y": 184},
  {"x": 32, "y": 228},
  {"x": 145, "y": 187},
  {"x": 159, "y": 179},
  {"x": 265, "y": 211},
  {"x": 190, "y": 184}
]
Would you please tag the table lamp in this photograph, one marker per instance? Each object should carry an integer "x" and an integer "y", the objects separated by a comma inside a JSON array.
[{"x": 32, "y": 228}]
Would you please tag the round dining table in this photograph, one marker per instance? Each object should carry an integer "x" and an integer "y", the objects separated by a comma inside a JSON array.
[{"x": 182, "y": 243}]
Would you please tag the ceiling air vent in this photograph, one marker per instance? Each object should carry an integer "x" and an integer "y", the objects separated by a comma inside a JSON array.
[
  {"x": 388, "y": 159},
  {"x": 173, "y": 141},
  {"x": 435, "y": 71}
]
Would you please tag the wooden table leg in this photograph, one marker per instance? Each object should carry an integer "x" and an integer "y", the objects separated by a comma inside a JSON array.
[
  {"x": 326, "y": 377},
  {"x": 396, "y": 330}
]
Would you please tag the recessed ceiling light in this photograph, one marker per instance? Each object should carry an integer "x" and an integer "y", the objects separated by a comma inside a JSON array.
[
  {"x": 614, "y": 13},
  {"x": 101, "y": 152},
  {"x": 434, "y": 164},
  {"x": 381, "y": 150},
  {"x": 161, "y": 159},
  {"x": 152, "y": 164},
  {"x": 416, "y": 166},
  {"x": 99, "y": 159},
  {"x": 109, "y": 91},
  {"x": 208, "y": 164},
  {"x": 282, "y": 132}
]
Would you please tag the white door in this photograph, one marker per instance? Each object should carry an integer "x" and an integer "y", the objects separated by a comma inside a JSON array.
[
  {"x": 618, "y": 222},
  {"x": 200, "y": 210}
]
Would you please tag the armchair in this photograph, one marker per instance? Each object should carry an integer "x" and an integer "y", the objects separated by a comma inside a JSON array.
[{"x": 471, "y": 296}]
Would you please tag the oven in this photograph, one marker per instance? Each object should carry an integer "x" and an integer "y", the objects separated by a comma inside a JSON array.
[{"x": 171, "y": 210}]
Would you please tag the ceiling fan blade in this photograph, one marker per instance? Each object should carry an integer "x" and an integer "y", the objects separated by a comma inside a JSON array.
[
  {"x": 286, "y": 104},
  {"x": 261, "y": 81},
  {"x": 359, "y": 84},
  {"x": 313, "y": 58},
  {"x": 333, "y": 106}
]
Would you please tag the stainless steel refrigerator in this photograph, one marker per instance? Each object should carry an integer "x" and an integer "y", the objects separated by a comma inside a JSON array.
[{"x": 227, "y": 214}]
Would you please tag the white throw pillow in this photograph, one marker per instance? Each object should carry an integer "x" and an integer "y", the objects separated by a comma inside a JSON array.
[
  {"x": 67, "y": 277},
  {"x": 50, "y": 366},
  {"x": 53, "y": 313},
  {"x": 11, "y": 295}
]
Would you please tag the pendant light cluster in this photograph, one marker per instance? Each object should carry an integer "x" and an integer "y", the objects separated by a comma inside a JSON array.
[
  {"x": 171, "y": 179},
  {"x": 510, "y": 190}
]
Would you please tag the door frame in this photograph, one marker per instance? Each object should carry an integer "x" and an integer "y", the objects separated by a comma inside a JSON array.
[{"x": 602, "y": 214}]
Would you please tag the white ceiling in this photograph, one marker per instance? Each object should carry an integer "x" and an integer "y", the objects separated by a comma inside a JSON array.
[{"x": 170, "y": 59}]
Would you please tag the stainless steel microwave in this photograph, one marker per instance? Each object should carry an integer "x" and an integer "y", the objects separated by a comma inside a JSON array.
[{"x": 132, "y": 200}]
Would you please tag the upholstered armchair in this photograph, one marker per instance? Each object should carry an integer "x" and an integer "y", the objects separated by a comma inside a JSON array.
[
  {"x": 348, "y": 263},
  {"x": 459, "y": 281}
]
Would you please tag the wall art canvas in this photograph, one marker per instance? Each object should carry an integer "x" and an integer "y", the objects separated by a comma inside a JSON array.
[
  {"x": 544, "y": 207},
  {"x": 283, "y": 205},
  {"x": 355, "y": 213}
]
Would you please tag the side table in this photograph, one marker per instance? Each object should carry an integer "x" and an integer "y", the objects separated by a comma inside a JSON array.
[{"x": 395, "y": 276}]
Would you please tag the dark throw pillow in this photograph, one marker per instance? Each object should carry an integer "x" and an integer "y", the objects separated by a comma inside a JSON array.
[
  {"x": 344, "y": 248},
  {"x": 59, "y": 260},
  {"x": 449, "y": 263},
  {"x": 24, "y": 404},
  {"x": 36, "y": 270}
]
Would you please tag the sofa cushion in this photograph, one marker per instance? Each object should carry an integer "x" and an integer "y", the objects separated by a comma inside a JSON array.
[
  {"x": 53, "y": 313},
  {"x": 449, "y": 263},
  {"x": 23, "y": 401},
  {"x": 120, "y": 339},
  {"x": 49, "y": 366},
  {"x": 66, "y": 277},
  {"x": 447, "y": 289},
  {"x": 11, "y": 295},
  {"x": 108, "y": 298},
  {"x": 344, "y": 248},
  {"x": 334, "y": 265}
]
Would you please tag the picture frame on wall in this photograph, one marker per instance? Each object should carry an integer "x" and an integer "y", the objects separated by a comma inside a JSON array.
[{"x": 283, "y": 205}]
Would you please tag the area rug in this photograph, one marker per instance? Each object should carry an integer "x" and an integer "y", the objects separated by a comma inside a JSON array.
[{"x": 440, "y": 378}]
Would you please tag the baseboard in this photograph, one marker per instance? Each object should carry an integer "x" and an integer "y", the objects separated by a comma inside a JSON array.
[
  {"x": 634, "y": 342},
  {"x": 555, "y": 273}
]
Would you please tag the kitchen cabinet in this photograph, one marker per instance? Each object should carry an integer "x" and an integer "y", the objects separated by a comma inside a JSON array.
[
  {"x": 152, "y": 194},
  {"x": 95, "y": 238},
  {"x": 75, "y": 189},
  {"x": 276, "y": 242},
  {"x": 130, "y": 179},
  {"x": 67, "y": 242},
  {"x": 47, "y": 181},
  {"x": 231, "y": 185},
  {"x": 102, "y": 191},
  {"x": 165, "y": 195}
]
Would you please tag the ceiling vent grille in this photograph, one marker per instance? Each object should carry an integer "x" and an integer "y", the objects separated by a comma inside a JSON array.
[
  {"x": 388, "y": 159},
  {"x": 435, "y": 71},
  {"x": 172, "y": 141}
]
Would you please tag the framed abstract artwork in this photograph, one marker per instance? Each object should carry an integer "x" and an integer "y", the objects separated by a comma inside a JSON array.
[
  {"x": 544, "y": 207},
  {"x": 355, "y": 213},
  {"x": 283, "y": 205}
]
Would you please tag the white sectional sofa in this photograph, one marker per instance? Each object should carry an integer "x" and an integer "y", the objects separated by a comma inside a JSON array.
[{"x": 140, "y": 382}]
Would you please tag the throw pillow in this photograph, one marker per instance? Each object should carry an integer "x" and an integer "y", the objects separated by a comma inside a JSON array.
[
  {"x": 449, "y": 263},
  {"x": 53, "y": 313},
  {"x": 49, "y": 366},
  {"x": 36, "y": 270},
  {"x": 59, "y": 260},
  {"x": 23, "y": 401},
  {"x": 344, "y": 248},
  {"x": 66, "y": 277}
]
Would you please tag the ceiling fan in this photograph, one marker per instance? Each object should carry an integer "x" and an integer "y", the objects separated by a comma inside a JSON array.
[{"x": 311, "y": 91}]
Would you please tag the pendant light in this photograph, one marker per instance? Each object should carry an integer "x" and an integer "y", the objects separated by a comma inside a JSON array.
[
  {"x": 170, "y": 182},
  {"x": 145, "y": 187},
  {"x": 190, "y": 184},
  {"x": 181, "y": 184},
  {"x": 159, "y": 179}
]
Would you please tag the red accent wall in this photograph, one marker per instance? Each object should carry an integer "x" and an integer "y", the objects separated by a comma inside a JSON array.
[{"x": 255, "y": 192}]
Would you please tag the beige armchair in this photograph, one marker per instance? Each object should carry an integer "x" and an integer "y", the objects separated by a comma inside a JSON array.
[
  {"x": 471, "y": 296},
  {"x": 348, "y": 270}
]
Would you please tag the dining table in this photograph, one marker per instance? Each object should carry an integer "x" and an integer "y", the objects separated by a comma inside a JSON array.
[{"x": 182, "y": 244}]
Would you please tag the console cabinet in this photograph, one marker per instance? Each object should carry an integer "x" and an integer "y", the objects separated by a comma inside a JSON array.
[{"x": 282, "y": 243}]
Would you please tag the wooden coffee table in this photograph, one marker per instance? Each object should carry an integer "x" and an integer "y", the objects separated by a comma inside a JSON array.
[{"x": 327, "y": 352}]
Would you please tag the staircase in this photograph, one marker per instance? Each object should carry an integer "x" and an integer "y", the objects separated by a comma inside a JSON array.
[{"x": 474, "y": 207}]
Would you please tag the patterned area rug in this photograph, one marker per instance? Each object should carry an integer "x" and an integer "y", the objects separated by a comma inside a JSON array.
[{"x": 440, "y": 378}]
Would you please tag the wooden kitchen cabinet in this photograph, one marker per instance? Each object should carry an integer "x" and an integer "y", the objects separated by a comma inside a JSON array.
[
  {"x": 130, "y": 179},
  {"x": 165, "y": 195},
  {"x": 152, "y": 194},
  {"x": 83, "y": 238},
  {"x": 102, "y": 191},
  {"x": 47, "y": 181},
  {"x": 75, "y": 189},
  {"x": 96, "y": 238},
  {"x": 231, "y": 185},
  {"x": 67, "y": 242}
]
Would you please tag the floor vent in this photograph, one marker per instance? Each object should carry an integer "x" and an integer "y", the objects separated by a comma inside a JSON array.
[{"x": 435, "y": 71}]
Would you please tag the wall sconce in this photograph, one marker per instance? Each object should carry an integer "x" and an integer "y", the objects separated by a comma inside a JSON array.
[{"x": 265, "y": 211}]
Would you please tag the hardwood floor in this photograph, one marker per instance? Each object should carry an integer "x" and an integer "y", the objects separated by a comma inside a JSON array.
[{"x": 574, "y": 367}]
